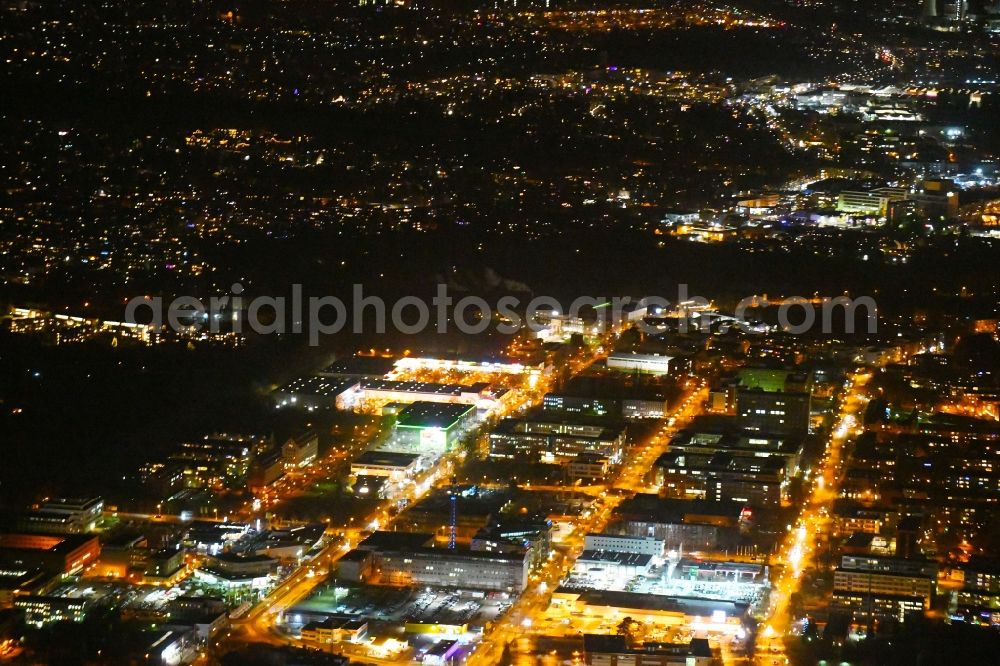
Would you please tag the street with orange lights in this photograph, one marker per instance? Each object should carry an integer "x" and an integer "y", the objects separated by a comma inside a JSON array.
[{"x": 799, "y": 547}]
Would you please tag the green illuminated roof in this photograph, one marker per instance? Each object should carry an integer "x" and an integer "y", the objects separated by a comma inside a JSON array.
[
  {"x": 772, "y": 381},
  {"x": 432, "y": 415}
]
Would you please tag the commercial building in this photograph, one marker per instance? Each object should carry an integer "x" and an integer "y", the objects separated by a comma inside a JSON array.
[
  {"x": 506, "y": 572},
  {"x": 937, "y": 198},
  {"x": 611, "y": 650},
  {"x": 51, "y": 553},
  {"x": 336, "y": 629},
  {"x": 982, "y": 573},
  {"x": 142, "y": 565},
  {"x": 355, "y": 566},
  {"x": 556, "y": 327},
  {"x": 238, "y": 571},
  {"x": 360, "y": 367},
  {"x": 369, "y": 394},
  {"x": 979, "y": 599},
  {"x": 443, "y": 652},
  {"x": 623, "y": 543},
  {"x": 314, "y": 392},
  {"x": 413, "y": 363},
  {"x": 212, "y": 536},
  {"x": 714, "y": 571},
  {"x": 876, "y": 202},
  {"x": 558, "y": 441},
  {"x": 699, "y": 613},
  {"x": 372, "y": 486},
  {"x": 681, "y": 524},
  {"x": 171, "y": 646},
  {"x": 394, "y": 560},
  {"x": 850, "y": 517},
  {"x": 609, "y": 570},
  {"x": 631, "y": 361},
  {"x": 292, "y": 544},
  {"x": 432, "y": 426},
  {"x": 394, "y": 465},
  {"x": 475, "y": 509},
  {"x": 63, "y": 516}
]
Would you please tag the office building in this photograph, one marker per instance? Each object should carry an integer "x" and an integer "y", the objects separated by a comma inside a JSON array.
[
  {"x": 217, "y": 460},
  {"x": 335, "y": 629},
  {"x": 681, "y": 524},
  {"x": 267, "y": 469},
  {"x": 721, "y": 476},
  {"x": 884, "y": 583},
  {"x": 623, "y": 543},
  {"x": 301, "y": 450},
  {"x": 634, "y": 362},
  {"x": 773, "y": 402},
  {"x": 556, "y": 440},
  {"x": 512, "y": 536},
  {"x": 588, "y": 467},
  {"x": 68, "y": 601},
  {"x": 609, "y": 398},
  {"x": 861, "y": 605},
  {"x": 704, "y": 443},
  {"x": 887, "y": 564},
  {"x": 52, "y": 553},
  {"x": 63, "y": 516}
]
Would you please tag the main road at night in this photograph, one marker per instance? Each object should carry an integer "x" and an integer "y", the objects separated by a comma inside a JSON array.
[{"x": 799, "y": 547}]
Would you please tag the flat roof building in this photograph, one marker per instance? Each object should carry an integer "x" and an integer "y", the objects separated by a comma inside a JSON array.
[
  {"x": 673, "y": 610},
  {"x": 315, "y": 392},
  {"x": 392, "y": 464},
  {"x": 359, "y": 367},
  {"x": 52, "y": 553},
  {"x": 611, "y": 650},
  {"x": 432, "y": 426},
  {"x": 623, "y": 543},
  {"x": 632, "y": 361},
  {"x": 556, "y": 440},
  {"x": 63, "y": 515},
  {"x": 680, "y": 524},
  {"x": 401, "y": 558}
]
